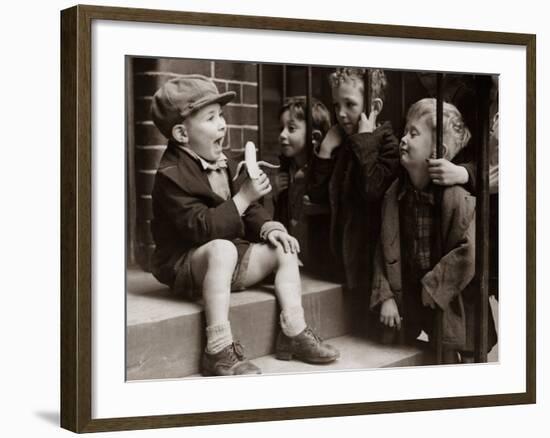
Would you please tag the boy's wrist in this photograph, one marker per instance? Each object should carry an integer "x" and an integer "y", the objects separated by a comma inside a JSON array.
[
  {"x": 324, "y": 153},
  {"x": 464, "y": 176},
  {"x": 241, "y": 203},
  {"x": 270, "y": 226}
]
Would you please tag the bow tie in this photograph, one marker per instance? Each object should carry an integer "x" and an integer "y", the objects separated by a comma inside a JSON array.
[{"x": 220, "y": 164}]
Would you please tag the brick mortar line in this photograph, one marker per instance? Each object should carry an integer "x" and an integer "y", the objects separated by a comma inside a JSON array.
[
  {"x": 246, "y": 105},
  {"x": 151, "y": 147},
  {"x": 253, "y": 127},
  {"x": 143, "y": 244},
  {"x": 177, "y": 75},
  {"x": 230, "y": 81}
]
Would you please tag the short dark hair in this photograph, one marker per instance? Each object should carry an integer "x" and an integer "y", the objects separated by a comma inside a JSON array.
[
  {"x": 297, "y": 107},
  {"x": 379, "y": 82}
]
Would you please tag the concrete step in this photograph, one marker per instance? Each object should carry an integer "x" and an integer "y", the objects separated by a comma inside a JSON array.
[
  {"x": 165, "y": 335},
  {"x": 356, "y": 353}
]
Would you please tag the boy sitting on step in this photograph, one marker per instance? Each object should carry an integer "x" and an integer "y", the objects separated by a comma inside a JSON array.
[{"x": 213, "y": 237}]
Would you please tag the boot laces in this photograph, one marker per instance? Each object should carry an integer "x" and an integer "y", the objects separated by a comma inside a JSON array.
[
  {"x": 236, "y": 352},
  {"x": 311, "y": 334}
]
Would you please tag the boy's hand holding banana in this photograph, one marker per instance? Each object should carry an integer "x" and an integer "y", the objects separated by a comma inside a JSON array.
[
  {"x": 257, "y": 185},
  {"x": 250, "y": 164}
]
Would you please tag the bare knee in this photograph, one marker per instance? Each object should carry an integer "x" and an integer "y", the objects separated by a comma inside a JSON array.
[
  {"x": 285, "y": 258},
  {"x": 221, "y": 254}
]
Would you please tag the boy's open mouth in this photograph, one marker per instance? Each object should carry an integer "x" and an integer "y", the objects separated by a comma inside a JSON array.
[{"x": 219, "y": 141}]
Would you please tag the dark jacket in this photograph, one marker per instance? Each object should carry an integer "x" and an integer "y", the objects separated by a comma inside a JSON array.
[
  {"x": 187, "y": 212},
  {"x": 353, "y": 183},
  {"x": 288, "y": 204}
]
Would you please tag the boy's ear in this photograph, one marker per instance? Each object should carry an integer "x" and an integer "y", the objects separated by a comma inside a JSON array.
[
  {"x": 317, "y": 138},
  {"x": 377, "y": 105},
  {"x": 444, "y": 151},
  {"x": 179, "y": 133}
]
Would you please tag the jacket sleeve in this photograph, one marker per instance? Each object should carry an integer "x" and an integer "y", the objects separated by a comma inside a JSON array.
[
  {"x": 466, "y": 159},
  {"x": 195, "y": 221},
  {"x": 381, "y": 290},
  {"x": 318, "y": 179},
  {"x": 254, "y": 218},
  {"x": 471, "y": 185},
  {"x": 280, "y": 207},
  {"x": 378, "y": 156},
  {"x": 456, "y": 269}
]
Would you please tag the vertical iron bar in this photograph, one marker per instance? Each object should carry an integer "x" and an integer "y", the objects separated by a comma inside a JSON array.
[
  {"x": 309, "y": 121},
  {"x": 367, "y": 93},
  {"x": 403, "y": 109},
  {"x": 260, "y": 79},
  {"x": 285, "y": 90},
  {"x": 482, "y": 218},
  {"x": 260, "y": 97},
  {"x": 402, "y": 122},
  {"x": 131, "y": 212},
  {"x": 438, "y": 329}
]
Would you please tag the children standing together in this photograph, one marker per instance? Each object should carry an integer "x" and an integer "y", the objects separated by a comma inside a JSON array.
[{"x": 213, "y": 237}]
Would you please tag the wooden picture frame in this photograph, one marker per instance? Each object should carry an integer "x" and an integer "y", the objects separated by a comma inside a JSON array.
[{"x": 76, "y": 217}]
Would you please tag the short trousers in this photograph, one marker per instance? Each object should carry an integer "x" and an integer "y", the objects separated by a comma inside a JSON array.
[{"x": 185, "y": 285}]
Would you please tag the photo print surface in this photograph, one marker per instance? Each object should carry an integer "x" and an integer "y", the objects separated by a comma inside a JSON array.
[{"x": 297, "y": 219}]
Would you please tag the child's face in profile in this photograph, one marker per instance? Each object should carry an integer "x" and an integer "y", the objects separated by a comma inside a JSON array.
[
  {"x": 348, "y": 100},
  {"x": 206, "y": 131},
  {"x": 417, "y": 144},
  {"x": 292, "y": 137}
]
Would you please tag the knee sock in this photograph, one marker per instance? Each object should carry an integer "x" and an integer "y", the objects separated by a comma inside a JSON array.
[
  {"x": 292, "y": 321},
  {"x": 218, "y": 337}
]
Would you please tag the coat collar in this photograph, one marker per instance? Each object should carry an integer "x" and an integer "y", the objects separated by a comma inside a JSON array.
[
  {"x": 426, "y": 196},
  {"x": 191, "y": 171},
  {"x": 206, "y": 165}
]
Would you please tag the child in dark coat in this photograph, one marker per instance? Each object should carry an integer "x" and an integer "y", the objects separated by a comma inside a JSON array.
[
  {"x": 355, "y": 164},
  {"x": 294, "y": 159}
]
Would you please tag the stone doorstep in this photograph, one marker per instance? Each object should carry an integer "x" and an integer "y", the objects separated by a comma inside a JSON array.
[
  {"x": 165, "y": 335},
  {"x": 356, "y": 353}
]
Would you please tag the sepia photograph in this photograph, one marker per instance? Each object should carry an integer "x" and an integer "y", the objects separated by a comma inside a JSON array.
[{"x": 295, "y": 218}]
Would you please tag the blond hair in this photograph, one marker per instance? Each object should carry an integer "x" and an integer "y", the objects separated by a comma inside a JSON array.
[{"x": 455, "y": 133}]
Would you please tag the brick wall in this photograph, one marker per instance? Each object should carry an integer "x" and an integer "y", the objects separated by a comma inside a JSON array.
[{"x": 148, "y": 74}]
